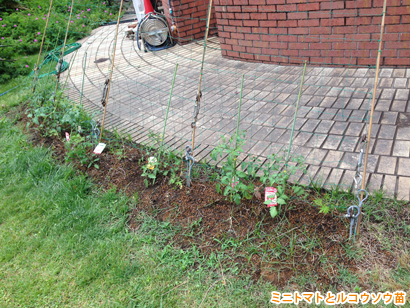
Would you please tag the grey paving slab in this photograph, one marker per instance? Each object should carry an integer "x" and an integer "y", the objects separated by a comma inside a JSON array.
[{"x": 332, "y": 115}]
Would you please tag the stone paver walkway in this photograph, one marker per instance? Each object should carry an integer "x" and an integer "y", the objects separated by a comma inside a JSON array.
[{"x": 330, "y": 121}]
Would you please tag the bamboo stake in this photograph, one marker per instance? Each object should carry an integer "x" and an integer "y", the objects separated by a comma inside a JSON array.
[
  {"x": 376, "y": 80},
  {"x": 296, "y": 111},
  {"x": 199, "y": 94},
  {"x": 238, "y": 120},
  {"x": 65, "y": 41},
  {"x": 112, "y": 69},
  {"x": 41, "y": 46}
]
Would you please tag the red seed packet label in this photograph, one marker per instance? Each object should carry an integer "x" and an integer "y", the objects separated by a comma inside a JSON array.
[
  {"x": 99, "y": 148},
  {"x": 67, "y": 136},
  {"x": 270, "y": 194}
]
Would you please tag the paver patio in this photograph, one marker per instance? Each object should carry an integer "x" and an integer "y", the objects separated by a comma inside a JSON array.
[{"x": 331, "y": 119}]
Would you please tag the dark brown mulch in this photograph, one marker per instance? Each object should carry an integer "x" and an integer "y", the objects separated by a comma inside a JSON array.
[{"x": 315, "y": 237}]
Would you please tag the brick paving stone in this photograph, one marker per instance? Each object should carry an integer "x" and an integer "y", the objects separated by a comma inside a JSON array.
[
  {"x": 399, "y": 72},
  {"x": 387, "y": 165},
  {"x": 389, "y": 118},
  {"x": 348, "y": 143},
  {"x": 341, "y": 102},
  {"x": 388, "y": 94},
  {"x": 298, "y": 123},
  {"x": 359, "y": 82},
  {"x": 321, "y": 176},
  {"x": 402, "y": 94},
  {"x": 315, "y": 112},
  {"x": 360, "y": 93},
  {"x": 357, "y": 116},
  {"x": 386, "y": 72},
  {"x": 355, "y": 129},
  {"x": 342, "y": 115},
  {"x": 259, "y": 147},
  {"x": 387, "y": 131},
  {"x": 401, "y": 148},
  {"x": 323, "y": 90},
  {"x": 284, "y": 122},
  {"x": 383, "y": 105},
  {"x": 400, "y": 82},
  {"x": 389, "y": 184},
  {"x": 349, "y": 161},
  {"x": 262, "y": 133},
  {"x": 332, "y": 142},
  {"x": 386, "y": 82},
  {"x": 316, "y": 141},
  {"x": 306, "y": 179},
  {"x": 339, "y": 128},
  {"x": 383, "y": 147},
  {"x": 328, "y": 114},
  {"x": 310, "y": 125},
  {"x": 347, "y": 182},
  {"x": 403, "y": 188},
  {"x": 404, "y": 166},
  {"x": 334, "y": 177},
  {"x": 361, "y": 72},
  {"x": 333, "y": 159},
  {"x": 275, "y": 134},
  {"x": 316, "y": 156},
  {"x": 403, "y": 133},
  {"x": 316, "y": 101},
  {"x": 303, "y": 111},
  {"x": 302, "y": 138},
  {"x": 375, "y": 182},
  {"x": 335, "y": 81},
  {"x": 324, "y": 126},
  {"x": 399, "y": 106},
  {"x": 327, "y": 101},
  {"x": 334, "y": 91}
]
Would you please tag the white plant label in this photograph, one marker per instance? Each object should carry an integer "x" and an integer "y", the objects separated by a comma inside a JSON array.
[
  {"x": 67, "y": 136},
  {"x": 151, "y": 163},
  {"x": 99, "y": 148},
  {"x": 270, "y": 194}
]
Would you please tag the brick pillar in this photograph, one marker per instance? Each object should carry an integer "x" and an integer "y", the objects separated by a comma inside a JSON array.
[{"x": 190, "y": 19}]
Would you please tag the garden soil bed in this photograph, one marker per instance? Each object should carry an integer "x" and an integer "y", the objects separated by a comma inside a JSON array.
[{"x": 220, "y": 219}]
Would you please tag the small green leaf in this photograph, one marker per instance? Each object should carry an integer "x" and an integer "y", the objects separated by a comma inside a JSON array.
[
  {"x": 281, "y": 201},
  {"x": 273, "y": 211}
]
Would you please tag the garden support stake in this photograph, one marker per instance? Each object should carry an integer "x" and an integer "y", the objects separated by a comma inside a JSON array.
[
  {"x": 199, "y": 93},
  {"x": 296, "y": 111},
  {"x": 369, "y": 134},
  {"x": 111, "y": 71},
  {"x": 41, "y": 47}
]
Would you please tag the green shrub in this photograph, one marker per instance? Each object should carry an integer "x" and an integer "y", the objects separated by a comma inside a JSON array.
[{"x": 23, "y": 22}]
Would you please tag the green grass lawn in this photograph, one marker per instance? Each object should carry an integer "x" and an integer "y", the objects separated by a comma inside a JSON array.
[{"x": 65, "y": 243}]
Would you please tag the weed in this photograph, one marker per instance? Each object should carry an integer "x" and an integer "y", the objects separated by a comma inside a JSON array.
[{"x": 78, "y": 149}]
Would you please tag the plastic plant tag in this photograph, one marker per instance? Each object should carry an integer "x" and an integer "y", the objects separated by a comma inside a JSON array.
[
  {"x": 151, "y": 162},
  {"x": 270, "y": 194},
  {"x": 67, "y": 136},
  {"x": 99, "y": 148}
]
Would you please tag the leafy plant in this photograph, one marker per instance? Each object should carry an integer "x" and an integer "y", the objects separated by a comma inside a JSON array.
[
  {"x": 234, "y": 183},
  {"x": 54, "y": 117},
  {"x": 78, "y": 150},
  {"x": 161, "y": 161},
  {"x": 276, "y": 172}
]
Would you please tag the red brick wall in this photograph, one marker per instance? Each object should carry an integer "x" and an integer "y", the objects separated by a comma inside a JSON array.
[
  {"x": 318, "y": 31},
  {"x": 190, "y": 19}
]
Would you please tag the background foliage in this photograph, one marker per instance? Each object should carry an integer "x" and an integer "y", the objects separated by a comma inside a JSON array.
[{"x": 22, "y": 25}]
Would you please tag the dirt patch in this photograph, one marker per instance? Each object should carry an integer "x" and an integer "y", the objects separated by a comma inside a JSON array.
[{"x": 300, "y": 241}]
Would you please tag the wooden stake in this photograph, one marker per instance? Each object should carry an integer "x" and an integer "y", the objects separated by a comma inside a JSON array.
[
  {"x": 112, "y": 69},
  {"x": 65, "y": 41},
  {"x": 199, "y": 94},
  {"x": 41, "y": 46},
  {"x": 376, "y": 80}
]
